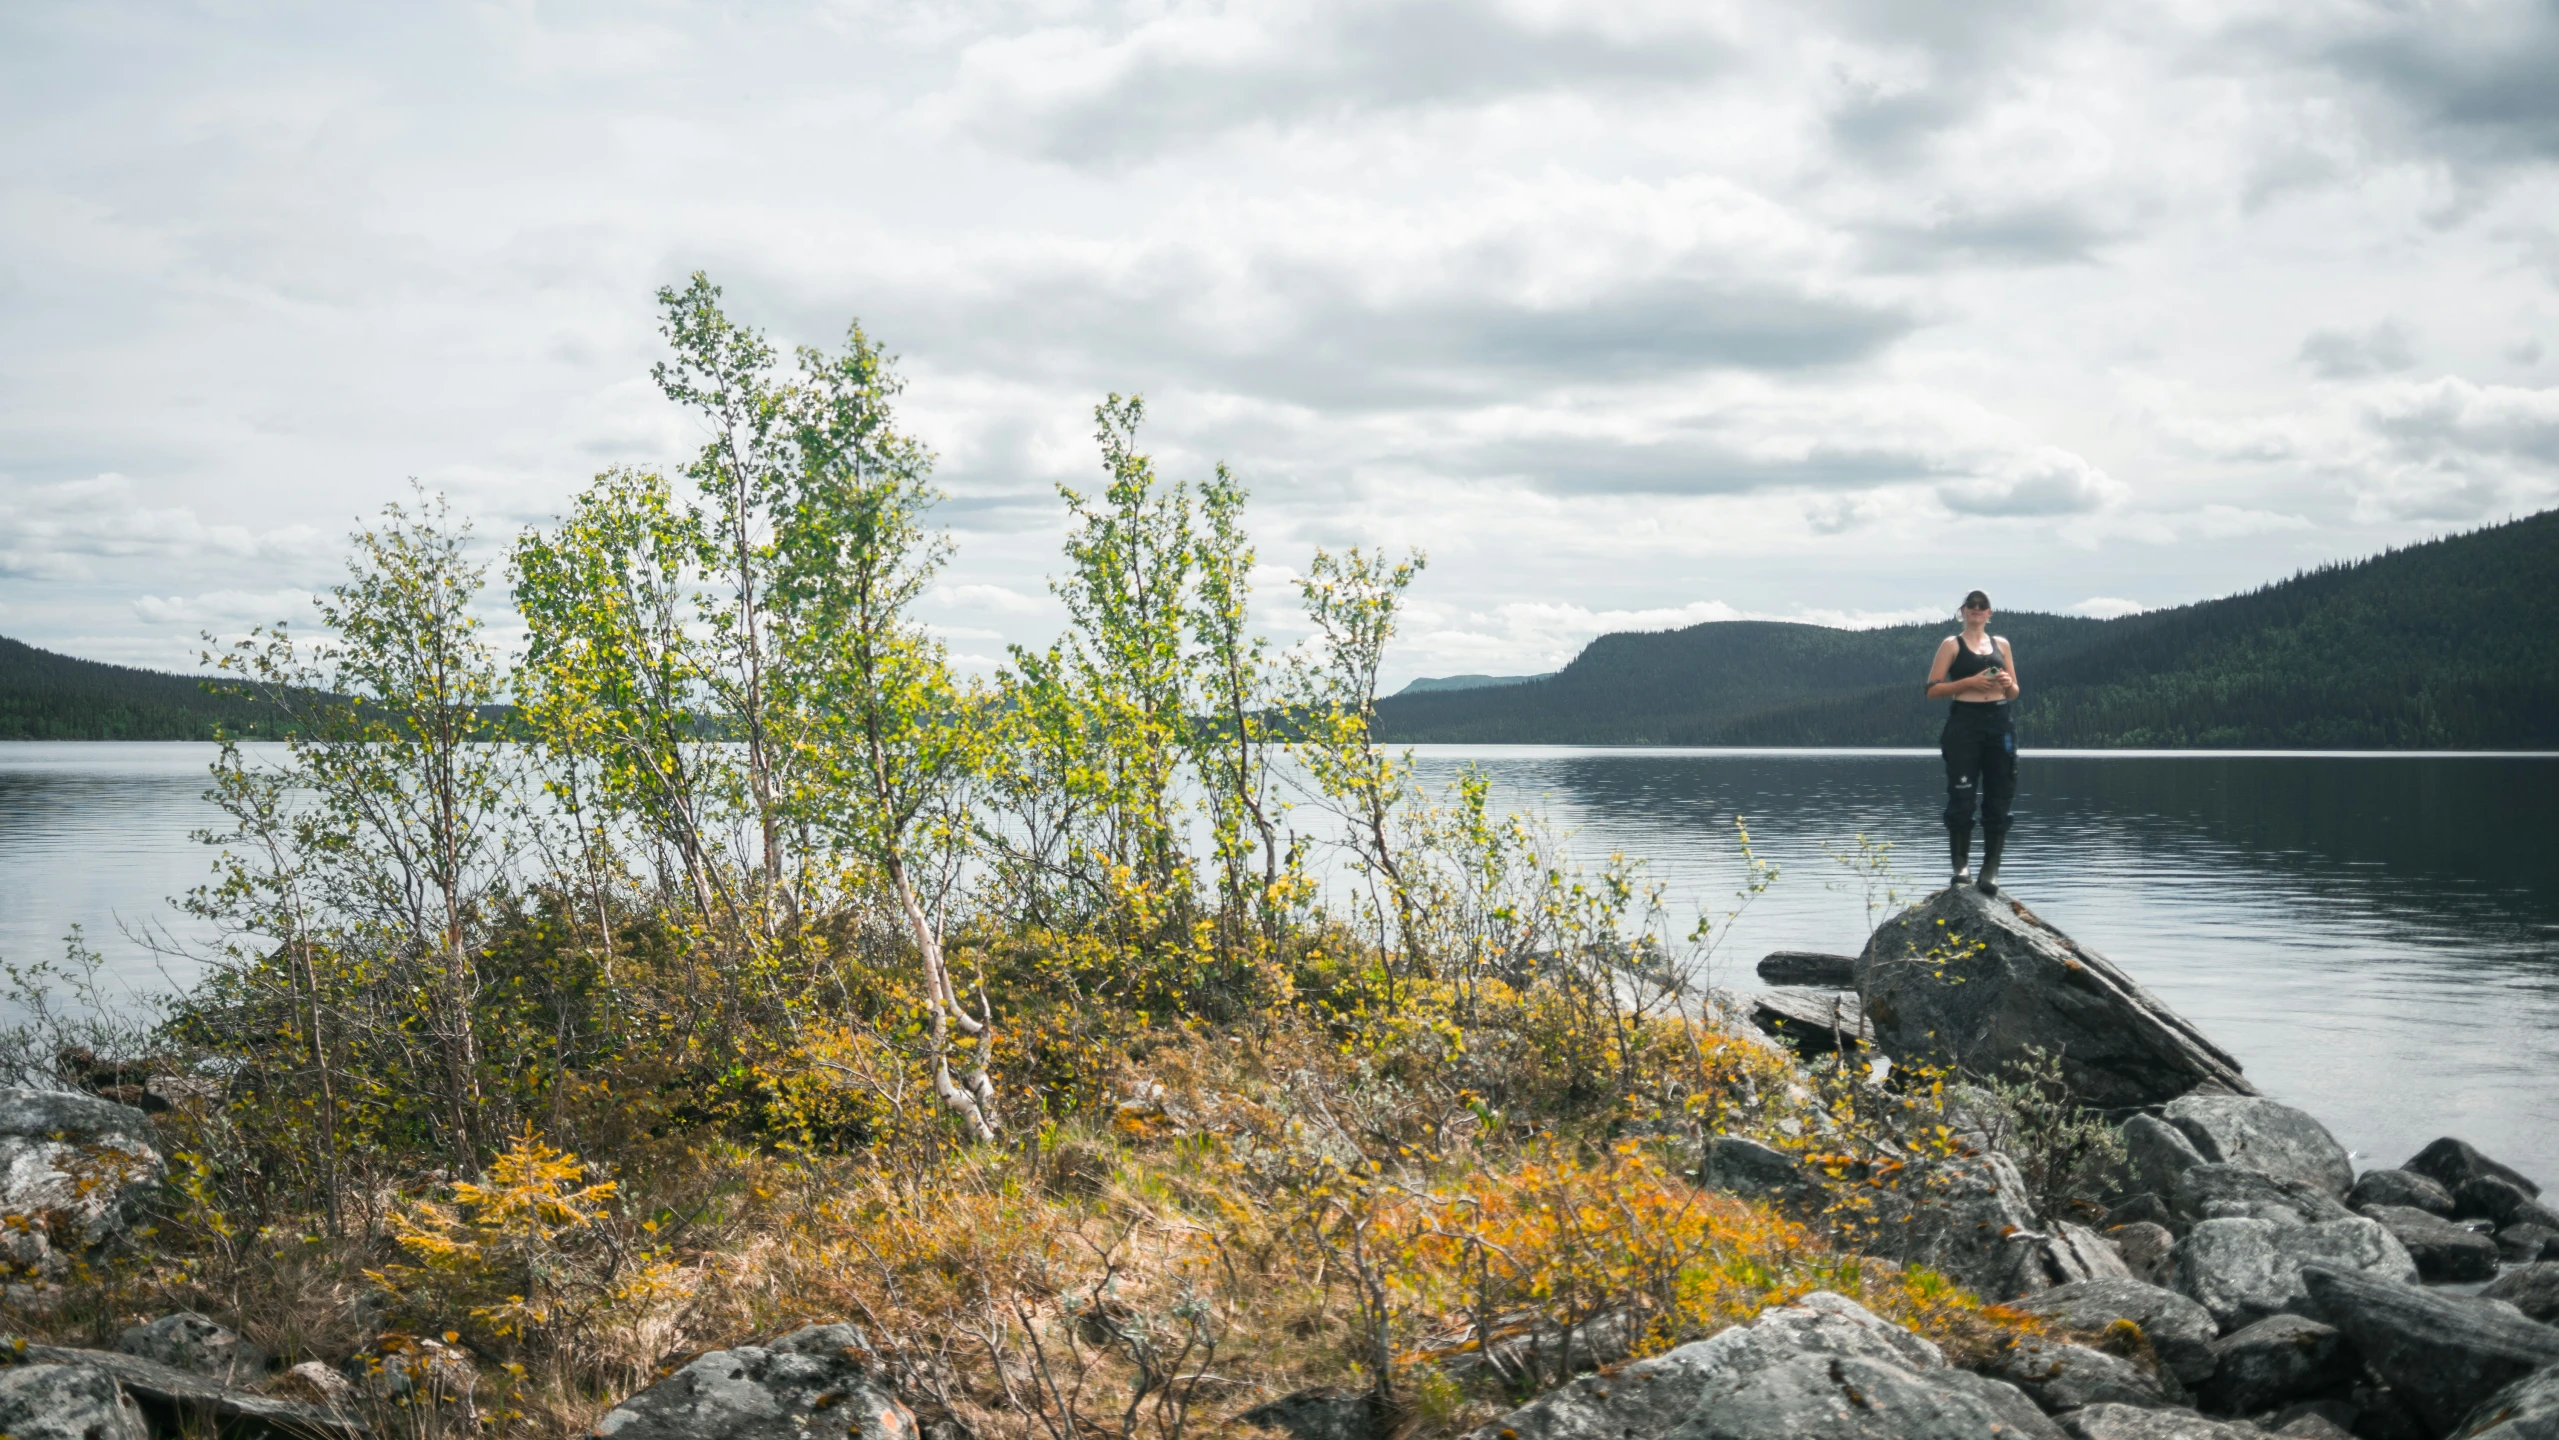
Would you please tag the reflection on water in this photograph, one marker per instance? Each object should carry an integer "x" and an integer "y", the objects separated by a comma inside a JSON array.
[{"x": 2377, "y": 938}]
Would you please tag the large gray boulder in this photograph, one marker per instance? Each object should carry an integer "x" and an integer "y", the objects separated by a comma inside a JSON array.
[
  {"x": 2441, "y": 1354},
  {"x": 2526, "y": 1244},
  {"x": 1836, "y": 1397},
  {"x": 2404, "y": 1188},
  {"x": 2267, "y": 1136},
  {"x": 2444, "y": 1252},
  {"x": 2448, "y": 1162},
  {"x": 2246, "y": 1270},
  {"x": 812, "y": 1382},
  {"x": 2180, "y": 1331},
  {"x": 179, "y": 1401},
  {"x": 2526, "y": 1410},
  {"x": 2129, "y": 1422},
  {"x": 2146, "y": 1249},
  {"x": 1975, "y": 982},
  {"x": 2493, "y": 1198},
  {"x": 2278, "y": 1359},
  {"x": 67, "y": 1402},
  {"x": 2215, "y": 1191},
  {"x": 1970, "y": 1219},
  {"x": 71, "y": 1166},
  {"x": 2155, "y": 1154},
  {"x": 1809, "y": 967},
  {"x": 2533, "y": 1289},
  {"x": 1646, "y": 1399},
  {"x": 189, "y": 1341},
  {"x": 2059, "y": 1376},
  {"x": 1326, "y": 1413}
]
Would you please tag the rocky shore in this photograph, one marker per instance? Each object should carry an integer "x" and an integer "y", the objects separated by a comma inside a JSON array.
[{"x": 2242, "y": 1279}]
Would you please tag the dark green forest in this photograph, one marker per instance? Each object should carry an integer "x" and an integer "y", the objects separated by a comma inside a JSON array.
[
  {"x": 2444, "y": 645},
  {"x": 44, "y": 696}
]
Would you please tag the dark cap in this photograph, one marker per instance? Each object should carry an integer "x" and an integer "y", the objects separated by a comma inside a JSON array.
[{"x": 1976, "y": 601}]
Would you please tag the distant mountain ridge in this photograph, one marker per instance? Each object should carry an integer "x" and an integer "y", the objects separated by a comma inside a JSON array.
[
  {"x": 45, "y": 696},
  {"x": 2452, "y": 644},
  {"x": 1429, "y": 683}
]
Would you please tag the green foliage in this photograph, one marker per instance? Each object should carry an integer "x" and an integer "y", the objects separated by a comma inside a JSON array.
[{"x": 2067, "y": 1155}]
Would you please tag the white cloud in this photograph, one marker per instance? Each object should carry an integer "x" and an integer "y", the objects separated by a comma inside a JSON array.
[
  {"x": 1607, "y": 305},
  {"x": 2107, "y": 607}
]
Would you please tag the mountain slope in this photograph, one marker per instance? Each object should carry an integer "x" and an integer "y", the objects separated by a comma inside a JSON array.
[
  {"x": 2446, "y": 645},
  {"x": 45, "y": 696}
]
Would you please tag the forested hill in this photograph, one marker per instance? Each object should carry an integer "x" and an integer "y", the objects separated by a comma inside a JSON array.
[
  {"x": 44, "y": 696},
  {"x": 2446, "y": 645}
]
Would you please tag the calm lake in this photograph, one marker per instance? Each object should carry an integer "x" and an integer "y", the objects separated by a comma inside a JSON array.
[{"x": 2375, "y": 937}]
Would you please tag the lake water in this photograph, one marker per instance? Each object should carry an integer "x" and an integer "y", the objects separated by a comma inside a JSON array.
[{"x": 2375, "y": 937}]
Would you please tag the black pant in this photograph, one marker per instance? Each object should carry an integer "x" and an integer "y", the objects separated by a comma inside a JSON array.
[{"x": 1981, "y": 766}]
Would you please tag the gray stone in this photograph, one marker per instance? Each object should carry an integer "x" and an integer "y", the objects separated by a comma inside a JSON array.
[
  {"x": 2061, "y": 1376},
  {"x": 174, "y": 1400},
  {"x": 2526, "y": 1410},
  {"x": 2155, "y": 1154},
  {"x": 2140, "y": 1208},
  {"x": 1818, "y": 1022},
  {"x": 2448, "y": 1162},
  {"x": 2246, "y": 1270},
  {"x": 814, "y": 1381},
  {"x": 2178, "y": 1330},
  {"x": 2492, "y": 1198},
  {"x": 2216, "y": 1191},
  {"x": 1809, "y": 967},
  {"x": 2146, "y": 1249},
  {"x": 1327, "y": 1413},
  {"x": 2532, "y": 1289},
  {"x": 1973, "y": 982},
  {"x": 2443, "y": 1251},
  {"x": 2440, "y": 1354},
  {"x": 1971, "y": 1220},
  {"x": 66, "y": 1402},
  {"x": 1746, "y": 1167},
  {"x": 2400, "y": 1187},
  {"x": 189, "y": 1341},
  {"x": 2278, "y": 1359},
  {"x": 2329, "y": 1419},
  {"x": 2127, "y": 1422},
  {"x": 2524, "y": 1244},
  {"x": 2265, "y": 1135},
  {"x": 1844, "y": 1397},
  {"x": 2072, "y": 1253},
  {"x": 1646, "y": 1399},
  {"x": 70, "y": 1164}
]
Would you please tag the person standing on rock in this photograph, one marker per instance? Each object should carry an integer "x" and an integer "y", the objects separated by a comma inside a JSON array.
[{"x": 1978, "y": 672}]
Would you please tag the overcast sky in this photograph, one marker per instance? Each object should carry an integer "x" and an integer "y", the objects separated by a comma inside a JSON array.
[{"x": 1629, "y": 314}]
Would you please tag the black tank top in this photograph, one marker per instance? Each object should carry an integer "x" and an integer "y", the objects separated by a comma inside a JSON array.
[{"x": 1967, "y": 664}]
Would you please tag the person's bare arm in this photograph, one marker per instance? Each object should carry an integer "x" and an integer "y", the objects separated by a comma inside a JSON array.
[
  {"x": 1971, "y": 687},
  {"x": 2007, "y": 671}
]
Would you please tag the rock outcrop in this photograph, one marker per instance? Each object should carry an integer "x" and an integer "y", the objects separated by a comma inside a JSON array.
[
  {"x": 179, "y": 1401},
  {"x": 1809, "y": 967},
  {"x": 2442, "y": 1354},
  {"x": 2449, "y": 1162},
  {"x": 2444, "y": 1252},
  {"x": 2404, "y": 1188},
  {"x": 2266, "y": 1136},
  {"x": 2526, "y": 1410},
  {"x": 2177, "y": 1329},
  {"x": 2277, "y": 1360},
  {"x": 2532, "y": 1289},
  {"x": 2244, "y": 1271},
  {"x": 72, "y": 1169},
  {"x": 812, "y": 1382},
  {"x": 188, "y": 1341},
  {"x": 2027, "y": 987},
  {"x": 1649, "y": 1398},
  {"x": 67, "y": 1402}
]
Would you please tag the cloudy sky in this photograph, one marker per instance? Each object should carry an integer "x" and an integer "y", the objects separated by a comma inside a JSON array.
[{"x": 1630, "y": 314}]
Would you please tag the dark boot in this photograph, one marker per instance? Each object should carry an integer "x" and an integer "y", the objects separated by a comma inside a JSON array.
[
  {"x": 1959, "y": 839},
  {"x": 1992, "y": 842}
]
